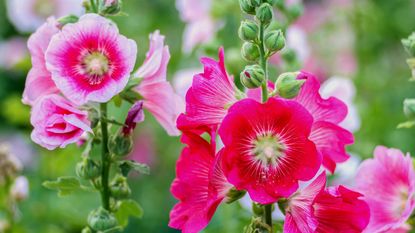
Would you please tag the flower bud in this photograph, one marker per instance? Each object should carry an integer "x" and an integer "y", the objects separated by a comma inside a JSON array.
[
  {"x": 264, "y": 13},
  {"x": 271, "y": 2},
  {"x": 250, "y": 51},
  {"x": 247, "y": 7},
  {"x": 111, "y": 7},
  {"x": 252, "y": 76},
  {"x": 409, "y": 44},
  {"x": 67, "y": 19},
  {"x": 234, "y": 195},
  {"x": 101, "y": 220},
  {"x": 86, "y": 230},
  {"x": 288, "y": 86},
  {"x": 20, "y": 189},
  {"x": 248, "y": 31},
  {"x": 274, "y": 40},
  {"x": 121, "y": 145},
  {"x": 409, "y": 107},
  {"x": 88, "y": 169},
  {"x": 119, "y": 188}
]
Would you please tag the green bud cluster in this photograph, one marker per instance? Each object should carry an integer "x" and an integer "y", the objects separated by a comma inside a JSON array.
[
  {"x": 88, "y": 169},
  {"x": 101, "y": 220},
  {"x": 253, "y": 76},
  {"x": 120, "y": 145},
  {"x": 288, "y": 86},
  {"x": 119, "y": 188}
]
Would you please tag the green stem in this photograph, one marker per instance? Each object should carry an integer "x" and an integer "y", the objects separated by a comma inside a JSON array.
[
  {"x": 263, "y": 62},
  {"x": 105, "y": 159},
  {"x": 268, "y": 215},
  {"x": 94, "y": 6}
]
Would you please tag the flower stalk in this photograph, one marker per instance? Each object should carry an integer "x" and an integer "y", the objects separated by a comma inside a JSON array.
[{"x": 105, "y": 159}]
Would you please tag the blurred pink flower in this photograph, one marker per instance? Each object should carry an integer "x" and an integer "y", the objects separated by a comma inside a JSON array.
[
  {"x": 93, "y": 67},
  {"x": 39, "y": 80},
  {"x": 388, "y": 183},
  {"x": 57, "y": 122},
  {"x": 12, "y": 52},
  {"x": 183, "y": 79},
  {"x": 144, "y": 148},
  {"x": 200, "y": 28},
  {"x": 28, "y": 15},
  {"x": 20, "y": 188},
  {"x": 344, "y": 90},
  {"x": 159, "y": 96}
]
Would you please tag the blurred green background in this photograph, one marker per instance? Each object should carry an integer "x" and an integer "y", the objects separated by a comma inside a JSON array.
[{"x": 381, "y": 82}]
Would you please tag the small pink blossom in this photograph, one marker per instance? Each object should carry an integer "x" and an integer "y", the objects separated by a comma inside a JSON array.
[
  {"x": 388, "y": 183},
  {"x": 12, "y": 52},
  {"x": 39, "y": 80},
  {"x": 28, "y": 15},
  {"x": 267, "y": 150},
  {"x": 200, "y": 185},
  {"x": 321, "y": 210},
  {"x": 57, "y": 122},
  {"x": 211, "y": 94},
  {"x": 159, "y": 96},
  {"x": 89, "y": 60}
]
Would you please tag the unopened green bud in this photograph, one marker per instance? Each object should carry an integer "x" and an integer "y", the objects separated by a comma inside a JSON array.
[
  {"x": 111, "y": 7},
  {"x": 247, "y": 7},
  {"x": 271, "y": 2},
  {"x": 264, "y": 13},
  {"x": 101, "y": 220},
  {"x": 288, "y": 86},
  {"x": 248, "y": 31},
  {"x": 234, "y": 195},
  {"x": 409, "y": 107},
  {"x": 250, "y": 51},
  {"x": 409, "y": 44},
  {"x": 88, "y": 169},
  {"x": 119, "y": 188},
  {"x": 274, "y": 40},
  {"x": 253, "y": 76},
  {"x": 67, "y": 19},
  {"x": 121, "y": 145}
]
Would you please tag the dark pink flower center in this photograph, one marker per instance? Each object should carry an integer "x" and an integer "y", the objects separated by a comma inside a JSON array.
[
  {"x": 95, "y": 65},
  {"x": 267, "y": 149}
]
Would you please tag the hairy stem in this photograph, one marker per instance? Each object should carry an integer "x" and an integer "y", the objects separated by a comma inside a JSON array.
[
  {"x": 105, "y": 159},
  {"x": 263, "y": 62},
  {"x": 268, "y": 215}
]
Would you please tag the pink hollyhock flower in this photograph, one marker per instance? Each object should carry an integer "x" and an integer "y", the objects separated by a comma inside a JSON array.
[
  {"x": 57, "y": 122},
  {"x": 200, "y": 185},
  {"x": 388, "y": 183},
  {"x": 12, "y": 52},
  {"x": 211, "y": 94},
  {"x": 267, "y": 150},
  {"x": 135, "y": 115},
  {"x": 200, "y": 28},
  {"x": 329, "y": 137},
  {"x": 28, "y": 15},
  {"x": 159, "y": 96},
  {"x": 39, "y": 80},
  {"x": 89, "y": 60},
  {"x": 320, "y": 210}
]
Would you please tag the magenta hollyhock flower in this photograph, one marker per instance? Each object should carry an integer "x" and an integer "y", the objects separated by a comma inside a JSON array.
[
  {"x": 320, "y": 210},
  {"x": 89, "y": 60},
  {"x": 135, "y": 115},
  {"x": 200, "y": 185},
  {"x": 329, "y": 137},
  {"x": 159, "y": 96},
  {"x": 28, "y": 15},
  {"x": 211, "y": 94},
  {"x": 39, "y": 80},
  {"x": 57, "y": 122},
  {"x": 388, "y": 183},
  {"x": 266, "y": 148}
]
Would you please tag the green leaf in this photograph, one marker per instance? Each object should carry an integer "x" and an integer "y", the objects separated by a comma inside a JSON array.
[
  {"x": 127, "y": 166},
  {"x": 406, "y": 125},
  {"x": 64, "y": 185},
  {"x": 128, "y": 208}
]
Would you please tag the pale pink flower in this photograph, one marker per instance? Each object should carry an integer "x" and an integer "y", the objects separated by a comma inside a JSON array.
[
  {"x": 28, "y": 15},
  {"x": 344, "y": 90},
  {"x": 89, "y": 60},
  {"x": 12, "y": 52},
  {"x": 57, "y": 122},
  {"x": 39, "y": 80},
  {"x": 183, "y": 79},
  {"x": 191, "y": 10},
  {"x": 159, "y": 96},
  {"x": 388, "y": 183}
]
